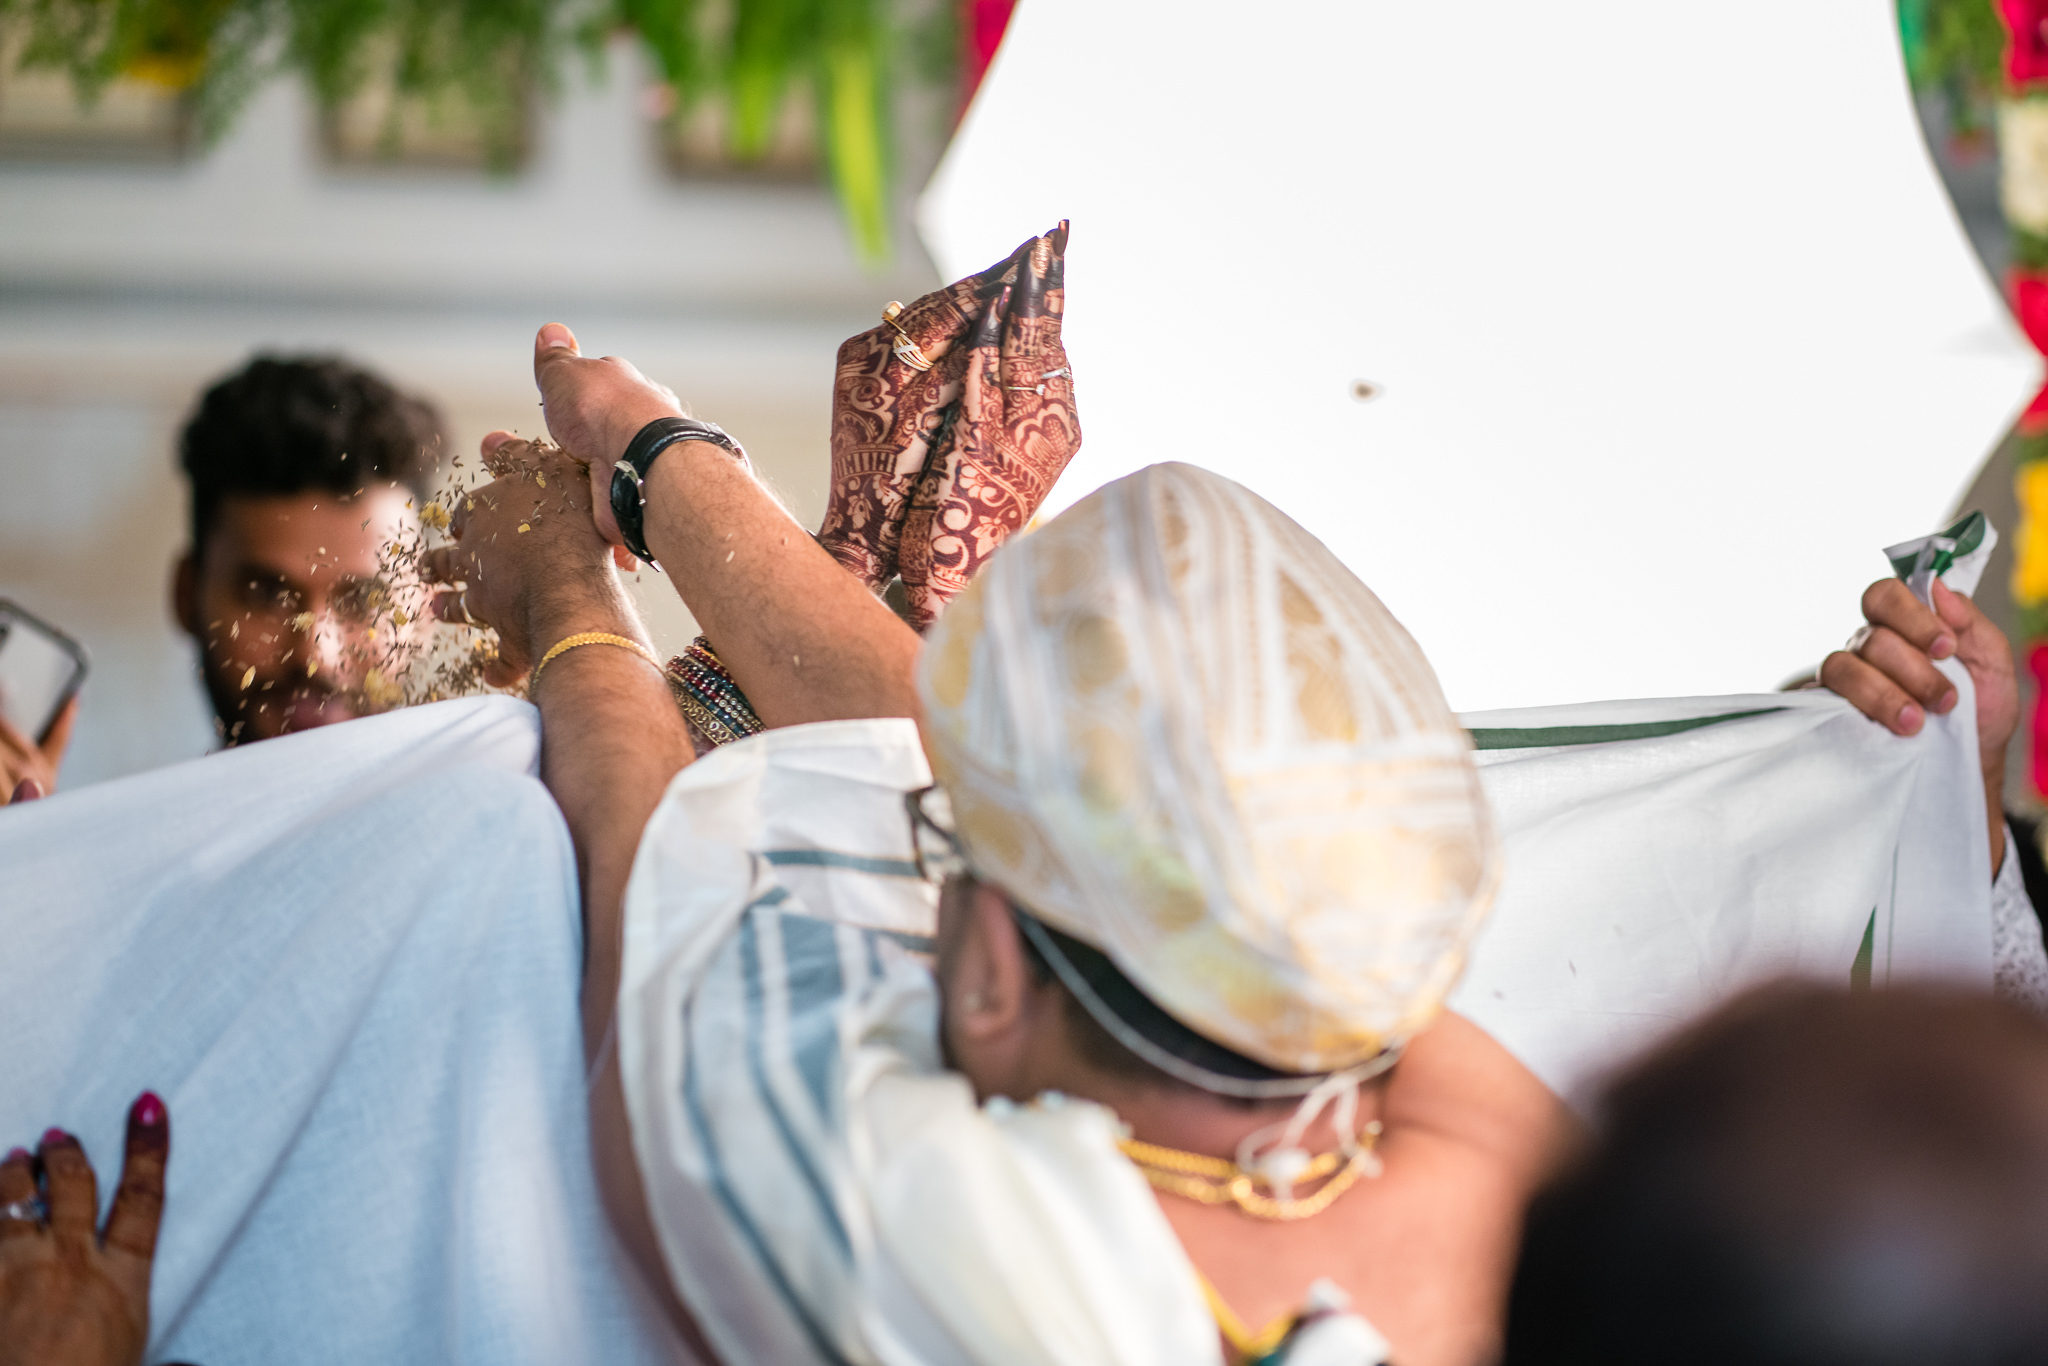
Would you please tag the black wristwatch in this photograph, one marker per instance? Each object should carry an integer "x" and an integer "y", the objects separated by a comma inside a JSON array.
[{"x": 629, "y": 476}]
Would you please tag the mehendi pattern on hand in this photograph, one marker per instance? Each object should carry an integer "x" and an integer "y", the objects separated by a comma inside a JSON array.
[
  {"x": 990, "y": 468},
  {"x": 933, "y": 468},
  {"x": 883, "y": 411}
]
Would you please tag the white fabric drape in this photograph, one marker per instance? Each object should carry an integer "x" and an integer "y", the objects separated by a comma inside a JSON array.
[
  {"x": 1730, "y": 840},
  {"x": 349, "y": 961}
]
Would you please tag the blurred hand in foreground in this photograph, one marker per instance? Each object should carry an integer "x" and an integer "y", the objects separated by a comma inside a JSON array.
[
  {"x": 29, "y": 770},
  {"x": 1888, "y": 673},
  {"x": 72, "y": 1294}
]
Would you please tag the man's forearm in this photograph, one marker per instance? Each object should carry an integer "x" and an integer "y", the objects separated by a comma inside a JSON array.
[
  {"x": 611, "y": 739},
  {"x": 802, "y": 637}
]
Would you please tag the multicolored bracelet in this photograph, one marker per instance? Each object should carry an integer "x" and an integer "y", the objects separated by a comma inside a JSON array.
[{"x": 718, "y": 712}]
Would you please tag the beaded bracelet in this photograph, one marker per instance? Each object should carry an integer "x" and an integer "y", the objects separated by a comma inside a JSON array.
[{"x": 709, "y": 699}]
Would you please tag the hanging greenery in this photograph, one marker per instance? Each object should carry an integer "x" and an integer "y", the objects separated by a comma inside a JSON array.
[{"x": 492, "y": 57}]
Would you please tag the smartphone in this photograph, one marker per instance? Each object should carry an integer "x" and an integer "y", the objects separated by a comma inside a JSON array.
[{"x": 40, "y": 669}]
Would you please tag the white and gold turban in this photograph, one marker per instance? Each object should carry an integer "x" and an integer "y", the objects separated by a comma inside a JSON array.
[{"x": 1173, "y": 725}]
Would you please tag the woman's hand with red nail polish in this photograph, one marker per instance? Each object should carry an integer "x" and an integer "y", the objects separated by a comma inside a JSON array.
[{"x": 71, "y": 1292}]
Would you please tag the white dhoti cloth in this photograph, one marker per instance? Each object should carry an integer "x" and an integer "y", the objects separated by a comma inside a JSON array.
[{"x": 349, "y": 961}]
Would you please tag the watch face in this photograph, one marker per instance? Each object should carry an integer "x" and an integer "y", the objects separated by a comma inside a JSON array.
[{"x": 627, "y": 509}]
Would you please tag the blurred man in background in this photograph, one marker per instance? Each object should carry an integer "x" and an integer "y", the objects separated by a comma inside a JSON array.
[
  {"x": 1809, "y": 1177},
  {"x": 304, "y": 473}
]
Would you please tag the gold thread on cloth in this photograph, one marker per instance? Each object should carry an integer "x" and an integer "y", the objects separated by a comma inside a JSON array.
[{"x": 568, "y": 643}]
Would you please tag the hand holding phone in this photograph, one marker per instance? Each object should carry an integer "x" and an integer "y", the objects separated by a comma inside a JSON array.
[{"x": 41, "y": 669}]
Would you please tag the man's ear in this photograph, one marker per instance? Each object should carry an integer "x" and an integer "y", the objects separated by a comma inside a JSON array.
[
  {"x": 991, "y": 984},
  {"x": 185, "y": 594}
]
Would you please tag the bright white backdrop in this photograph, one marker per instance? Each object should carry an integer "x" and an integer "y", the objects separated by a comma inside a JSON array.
[{"x": 1672, "y": 321}]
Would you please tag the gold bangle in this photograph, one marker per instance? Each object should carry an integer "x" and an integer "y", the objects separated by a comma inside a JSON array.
[{"x": 567, "y": 643}]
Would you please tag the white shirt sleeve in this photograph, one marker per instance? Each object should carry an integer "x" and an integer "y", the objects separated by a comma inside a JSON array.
[{"x": 2019, "y": 962}]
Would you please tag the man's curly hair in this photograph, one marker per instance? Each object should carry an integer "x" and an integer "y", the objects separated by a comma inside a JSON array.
[{"x": 298, "y": 424}]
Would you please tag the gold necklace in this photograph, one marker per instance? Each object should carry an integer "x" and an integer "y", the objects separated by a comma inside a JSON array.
[{"x": 1215, "y": 1181}]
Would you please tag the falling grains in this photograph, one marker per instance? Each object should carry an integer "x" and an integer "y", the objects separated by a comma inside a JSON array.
[{"x": 248, "y": 678}]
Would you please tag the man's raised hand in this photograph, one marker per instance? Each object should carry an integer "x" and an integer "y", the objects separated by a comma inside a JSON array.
[
  {"x": 593, "y": 408},
  {"x": 528, "y": 561}
]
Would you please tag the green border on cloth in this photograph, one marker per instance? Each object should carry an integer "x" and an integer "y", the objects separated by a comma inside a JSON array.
[
  {"x": 1859, "y": 971},
  {"x": 1550, "y": 737}
]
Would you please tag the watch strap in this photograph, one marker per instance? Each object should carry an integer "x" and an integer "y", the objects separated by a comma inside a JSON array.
[{"x": 629, "y": 476}]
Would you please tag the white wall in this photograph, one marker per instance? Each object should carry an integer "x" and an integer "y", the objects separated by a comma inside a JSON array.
[
  {"x": 124, "y": 290},
  {"x": 1672, "y": 323}
]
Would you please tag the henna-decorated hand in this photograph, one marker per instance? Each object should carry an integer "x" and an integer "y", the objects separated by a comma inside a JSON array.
[
  {"x": 885, "y": 408},
  {"x": 1016, "y": 428}
]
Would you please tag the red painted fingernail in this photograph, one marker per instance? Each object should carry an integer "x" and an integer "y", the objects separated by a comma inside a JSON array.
[
  {"x": 16, "y": 1155},
  {"x": 148, "y": 1110},
  {"x": 52, "y": 1137}
]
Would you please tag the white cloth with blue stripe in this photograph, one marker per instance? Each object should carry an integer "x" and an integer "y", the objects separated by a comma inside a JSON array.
[
  {"x": 824, "y": 1190},
  {"x": 349, "y": 960}
]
